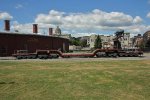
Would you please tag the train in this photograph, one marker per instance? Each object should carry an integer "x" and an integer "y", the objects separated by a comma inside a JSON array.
[
  {"x": 45, "y": 54},
  {"x": 116, "y": 51}
]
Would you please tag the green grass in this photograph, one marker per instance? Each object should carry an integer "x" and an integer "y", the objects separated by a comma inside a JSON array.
[{"x": 98, "y": 80}]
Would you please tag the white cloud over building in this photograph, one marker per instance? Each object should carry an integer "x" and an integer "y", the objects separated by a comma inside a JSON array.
[
  {"x": 96, "y": 17},
  {"x": 5, "y": 15},
  {"x": 90, "y": 21},
  {"x": 86, "y": 23}
]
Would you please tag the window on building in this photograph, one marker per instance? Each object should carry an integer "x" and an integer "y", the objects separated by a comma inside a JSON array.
[{"x": 91, "y": 40}]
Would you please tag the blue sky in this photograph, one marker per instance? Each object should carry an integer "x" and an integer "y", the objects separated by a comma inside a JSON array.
[{"x": 78, "y": 16}]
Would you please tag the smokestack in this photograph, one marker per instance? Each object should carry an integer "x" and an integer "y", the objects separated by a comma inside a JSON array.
[
  {"x": 50, "y": 31},
  {"x": 35, "y": 28},
  {"x": 7, "y": 25}
]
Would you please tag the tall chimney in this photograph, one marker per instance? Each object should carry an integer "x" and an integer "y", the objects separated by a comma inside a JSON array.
[
  {"x": 7, "y": 25},
  {"x": 35, "y": 28},
  {"x": 50, "y": 31}
]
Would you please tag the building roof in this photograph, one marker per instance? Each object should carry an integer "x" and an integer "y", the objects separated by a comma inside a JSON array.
[{"x": 28, "y": 34}]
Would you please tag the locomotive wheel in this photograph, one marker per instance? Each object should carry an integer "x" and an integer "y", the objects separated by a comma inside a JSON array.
[
  {"x": 19, "y": 57},
  {"x": 100, "y": 54},
  {"x": 42, "y": 56},
  {"x": 115, "y": 55}
]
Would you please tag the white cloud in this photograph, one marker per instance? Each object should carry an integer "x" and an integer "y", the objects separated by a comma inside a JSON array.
[
  {"x": 5, "y": 15},
  {"x": 93, "y": 21},
  {"x": 97, "y": 18},
  {"x": 135, "y": 29},
  {"x": 54, "y": 17},
  {"x": 80, "y": 24},
  {"x": 137, "y": 20},
  {"x": 82, "y": 34},
  {"x": 25, "y": 28},
  {"x": 18, "y": 6},
  {"x": 148, "y": 15},
  {"x": 85, "y": 20},
  {"x": 28, "y": 28}
]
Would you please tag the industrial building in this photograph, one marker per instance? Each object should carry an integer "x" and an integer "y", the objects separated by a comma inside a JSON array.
[{"x": 11, "y": 41}]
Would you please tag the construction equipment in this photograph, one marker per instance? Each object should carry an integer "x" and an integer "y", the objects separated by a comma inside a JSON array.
[{"x": 119, "y": 34}]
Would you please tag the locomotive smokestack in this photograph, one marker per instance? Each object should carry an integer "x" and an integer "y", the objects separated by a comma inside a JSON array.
[
  {"x": 7, "y": 25},
  {"x": 50, "y": 31},
  {"x": 35, "y": 28}
]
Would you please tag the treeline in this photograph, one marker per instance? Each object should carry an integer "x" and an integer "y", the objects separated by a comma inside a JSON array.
[
  {"x": 83, "y": 42},
  {"x": 78, "y": 42}
]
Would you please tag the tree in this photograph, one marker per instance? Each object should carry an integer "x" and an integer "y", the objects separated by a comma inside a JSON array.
[
  {"x": 98, "y": 43},
  {"x": 75, "y": 41},
  {"x": 83, "y": 43}
]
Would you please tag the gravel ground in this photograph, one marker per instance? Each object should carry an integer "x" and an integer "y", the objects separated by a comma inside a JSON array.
[{"x": 146, "y": 56}]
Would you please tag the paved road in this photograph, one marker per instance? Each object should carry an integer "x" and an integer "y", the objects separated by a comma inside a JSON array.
[{"x": 146, "y": 56}]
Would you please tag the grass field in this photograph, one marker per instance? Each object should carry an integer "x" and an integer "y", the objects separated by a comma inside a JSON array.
[{"x": 97, "y": 80}]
